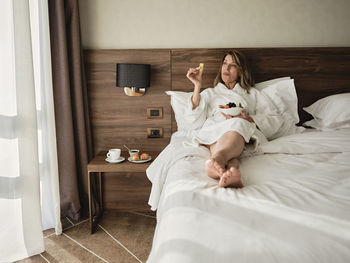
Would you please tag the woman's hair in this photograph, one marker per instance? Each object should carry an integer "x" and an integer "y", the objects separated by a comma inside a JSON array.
[{"x": 245, "y": 78}]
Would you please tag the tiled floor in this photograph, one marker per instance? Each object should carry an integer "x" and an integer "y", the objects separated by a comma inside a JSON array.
[{"x": 119, "y": 237}]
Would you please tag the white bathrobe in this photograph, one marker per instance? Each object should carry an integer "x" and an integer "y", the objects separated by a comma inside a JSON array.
[{"x": 267, "y": 120}]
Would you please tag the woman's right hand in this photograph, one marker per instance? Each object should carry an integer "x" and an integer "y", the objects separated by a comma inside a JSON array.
[{"x": 195, "y": 76}]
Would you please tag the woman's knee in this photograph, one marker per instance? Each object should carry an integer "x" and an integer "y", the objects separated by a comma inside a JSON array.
[{"x": 235, "y": 136}]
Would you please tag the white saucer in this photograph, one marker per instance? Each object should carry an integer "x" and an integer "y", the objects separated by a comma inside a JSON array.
[
  {"x": 140, "y": 161},
  {"x": 115, "y": 161}
]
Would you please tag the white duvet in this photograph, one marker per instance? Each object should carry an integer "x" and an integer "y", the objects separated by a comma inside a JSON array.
[{"x": 294, "y": 206}]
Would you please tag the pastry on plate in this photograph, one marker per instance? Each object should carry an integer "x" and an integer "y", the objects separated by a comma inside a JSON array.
[
  {"x": 144, "y": 156},
  {"x": 135, "y": 157}
]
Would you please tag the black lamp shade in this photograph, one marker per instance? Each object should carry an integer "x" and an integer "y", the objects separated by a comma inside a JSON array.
[{"x": 133, "y": 75}]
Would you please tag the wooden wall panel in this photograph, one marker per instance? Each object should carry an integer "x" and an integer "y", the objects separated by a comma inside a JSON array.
[
  {"x": 118, "y": 119},
  {"x": 126, "y": 192}
]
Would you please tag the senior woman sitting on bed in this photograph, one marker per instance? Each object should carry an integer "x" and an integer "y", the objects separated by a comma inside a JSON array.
[{"x": 226, "y": 136}]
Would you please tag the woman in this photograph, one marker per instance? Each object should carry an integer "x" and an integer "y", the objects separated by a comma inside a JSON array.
[{"x": 226, "y": 136}]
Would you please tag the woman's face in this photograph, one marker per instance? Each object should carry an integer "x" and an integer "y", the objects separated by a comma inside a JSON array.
[{"x": 229, "y": 72}]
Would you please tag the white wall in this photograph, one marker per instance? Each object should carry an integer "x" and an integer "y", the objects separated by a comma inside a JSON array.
[{"x": 214, "y": 23}]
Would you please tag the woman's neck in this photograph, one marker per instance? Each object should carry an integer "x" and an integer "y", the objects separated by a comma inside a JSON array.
[{"x": 230, "y": 85}]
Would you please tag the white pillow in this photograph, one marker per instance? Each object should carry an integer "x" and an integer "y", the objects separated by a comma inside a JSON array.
[
  {"x": 180, "y": 102},
  {"x": 283, "y": 95},
  {"x": 331, "y": 112},
  {"x": 264, "y": 84}
]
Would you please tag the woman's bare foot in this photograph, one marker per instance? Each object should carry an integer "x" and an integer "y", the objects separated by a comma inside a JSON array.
[
  {"x": 231, "y": 178},
  {"x": 232, "y": 163},
  {"x": 213, "y": 168}
]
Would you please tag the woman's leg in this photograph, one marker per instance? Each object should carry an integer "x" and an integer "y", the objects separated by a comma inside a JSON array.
[{"x": 229, "y": 146}]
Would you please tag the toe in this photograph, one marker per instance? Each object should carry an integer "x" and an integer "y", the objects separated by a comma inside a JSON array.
[{"x": 218, "y": 167}]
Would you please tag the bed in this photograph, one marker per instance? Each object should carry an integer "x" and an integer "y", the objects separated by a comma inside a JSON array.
[{"x": 295, "y": 203}]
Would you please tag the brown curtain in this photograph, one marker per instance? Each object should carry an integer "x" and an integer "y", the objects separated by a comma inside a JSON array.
[{"x": 74, "y": 141}]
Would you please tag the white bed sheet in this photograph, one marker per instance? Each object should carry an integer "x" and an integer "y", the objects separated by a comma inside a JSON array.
[{"x": 294, "y": 206}]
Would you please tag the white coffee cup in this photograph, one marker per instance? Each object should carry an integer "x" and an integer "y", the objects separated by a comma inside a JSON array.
[
  {"x": 114, "y": 154},
  {"x": 133, "y": 152}
]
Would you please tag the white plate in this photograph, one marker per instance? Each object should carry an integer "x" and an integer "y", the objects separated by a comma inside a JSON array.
[
  {"x": 140, "y": 161},
  {"x": 115, "y": 161}
]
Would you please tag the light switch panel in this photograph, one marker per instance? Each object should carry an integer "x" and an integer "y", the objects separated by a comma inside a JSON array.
[
  {"x": 154, "y": 132},
  {"x": 155, "y": 113}
]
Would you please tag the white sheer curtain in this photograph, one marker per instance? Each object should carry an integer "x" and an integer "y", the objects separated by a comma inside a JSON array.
[
  {"x": 45, "y": 115},
  {"x": 29, "y": 195}
]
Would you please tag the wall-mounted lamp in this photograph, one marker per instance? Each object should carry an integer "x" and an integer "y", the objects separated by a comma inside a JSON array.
[{"x": 134, "y": 78}]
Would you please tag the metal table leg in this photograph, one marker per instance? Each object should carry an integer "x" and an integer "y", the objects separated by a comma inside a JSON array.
[
  {"x": 90, "y": 202},
  {"x": 100, "y": 174}
]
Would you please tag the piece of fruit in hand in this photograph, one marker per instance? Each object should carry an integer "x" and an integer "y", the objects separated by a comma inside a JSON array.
[{"x": 201, "y": 66}]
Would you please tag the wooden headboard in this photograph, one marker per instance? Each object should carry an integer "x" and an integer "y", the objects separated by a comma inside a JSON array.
[{"x": 117, "y": 119}]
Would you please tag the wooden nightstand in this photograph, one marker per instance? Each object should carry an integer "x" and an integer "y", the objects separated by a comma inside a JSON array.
[{"x": 99, "y": 165}]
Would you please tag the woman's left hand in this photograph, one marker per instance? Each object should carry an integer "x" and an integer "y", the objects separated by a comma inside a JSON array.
[{"x": 243, "y": 115}]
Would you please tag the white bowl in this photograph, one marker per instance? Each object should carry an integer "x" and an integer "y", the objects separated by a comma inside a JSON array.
[{"x": 235, "y": 111}]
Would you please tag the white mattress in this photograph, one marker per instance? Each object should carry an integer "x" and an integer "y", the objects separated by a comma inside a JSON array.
[{"x": 294, "y": 206}]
